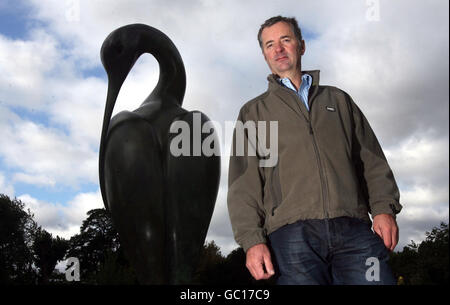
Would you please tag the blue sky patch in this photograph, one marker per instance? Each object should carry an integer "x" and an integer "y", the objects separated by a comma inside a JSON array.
[{"x": 14, "y": 19}]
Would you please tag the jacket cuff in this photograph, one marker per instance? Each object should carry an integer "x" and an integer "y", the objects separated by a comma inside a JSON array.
[
  {"x": 254, "y": 238},
  {"x": 385, "y": 207}
]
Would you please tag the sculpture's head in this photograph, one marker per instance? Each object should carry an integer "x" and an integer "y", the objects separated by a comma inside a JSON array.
[{"x": 121, "y": 49}]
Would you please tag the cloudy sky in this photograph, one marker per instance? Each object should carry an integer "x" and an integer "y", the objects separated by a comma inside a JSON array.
[{"x": 390, "y": 56}]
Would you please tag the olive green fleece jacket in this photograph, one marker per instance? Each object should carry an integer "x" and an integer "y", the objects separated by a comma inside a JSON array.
[{"x": 329, "y": 164}]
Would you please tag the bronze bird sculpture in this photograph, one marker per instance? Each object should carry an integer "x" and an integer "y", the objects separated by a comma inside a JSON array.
[{"x": 161, "y": 204}]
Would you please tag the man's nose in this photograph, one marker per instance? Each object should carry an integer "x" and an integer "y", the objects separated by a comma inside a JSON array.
[{"x": 279, "y": 47}]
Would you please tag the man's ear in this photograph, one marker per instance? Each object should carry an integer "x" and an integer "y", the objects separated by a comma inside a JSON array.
[{"x": 302, "y": 47}]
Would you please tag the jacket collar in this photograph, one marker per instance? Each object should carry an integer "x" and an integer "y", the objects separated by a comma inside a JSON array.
[
  {"x": 291, "y": 99},
  {"x": 273, "y": 79}
]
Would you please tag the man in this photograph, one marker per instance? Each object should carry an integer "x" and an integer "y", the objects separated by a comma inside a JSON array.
[{"x": 306, "y": 218}]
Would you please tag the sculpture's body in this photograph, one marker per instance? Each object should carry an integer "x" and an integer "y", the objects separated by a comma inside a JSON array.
[{"x": 161, "y": 205}]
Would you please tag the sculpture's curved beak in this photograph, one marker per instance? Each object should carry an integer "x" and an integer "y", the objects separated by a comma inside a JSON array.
[{"x": 111, "y": 98}]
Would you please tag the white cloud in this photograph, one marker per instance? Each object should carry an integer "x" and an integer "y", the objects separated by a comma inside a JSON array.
[
  {"x": 6, "y": 187},
  {"x": 45, "y": 214},
  {"x": 138, "y": 85},
  {"x": 78, "y": 105},
  {"x": 421, "y": 161},
  {"x": 37, "y": 79},
  {"x": 424, "y": 207},
  {"x": 76, "y": 209},
  {"x": 62, "y": 220},
  {"x": 33, "y": 179},
  {"x": 47, "y": 152},
  {"x": 25, "y": 66}
]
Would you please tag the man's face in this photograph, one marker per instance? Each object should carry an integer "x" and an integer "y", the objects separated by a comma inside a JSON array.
[{"x": 281, "y": 49}]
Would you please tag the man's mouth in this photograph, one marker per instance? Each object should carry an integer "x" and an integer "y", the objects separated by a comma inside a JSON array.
[{"x": 281, "y": 58}]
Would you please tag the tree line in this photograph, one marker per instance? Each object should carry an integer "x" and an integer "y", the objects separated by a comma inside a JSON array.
[{"x": 29, "y": 254}]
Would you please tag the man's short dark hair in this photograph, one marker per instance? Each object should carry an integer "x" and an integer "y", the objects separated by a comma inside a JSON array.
[{"x": 291, "y": 21}]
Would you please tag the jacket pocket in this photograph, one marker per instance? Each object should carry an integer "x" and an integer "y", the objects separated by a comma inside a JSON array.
[{"x": 275, "y": 189}]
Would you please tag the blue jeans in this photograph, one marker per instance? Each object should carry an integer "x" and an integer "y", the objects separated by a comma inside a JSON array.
[{"x": 337, "y": 251}]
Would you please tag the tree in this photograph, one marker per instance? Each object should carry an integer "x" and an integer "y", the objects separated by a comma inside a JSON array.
[
  {"x": 425, "y": 263},
  {"x": 433, "y": 256},
  {"x": 216, "y": 269},
  {"x": 47, "y": 252},
  {"x": 208, "y": 270},
  {"x": 404, "y": 263},
  {"x": 98, "y": 250},
  {"x": 116, "y": 270},
  {"x": 236, "y": 271},
  {"x": 16, "y": 238}
]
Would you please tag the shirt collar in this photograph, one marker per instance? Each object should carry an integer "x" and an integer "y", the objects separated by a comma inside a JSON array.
[{"x": 306, "y": 81}]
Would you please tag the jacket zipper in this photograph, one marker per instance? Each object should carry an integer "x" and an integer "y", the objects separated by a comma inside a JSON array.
[
  {"x": 323, "y": 182},
  {"x": 321, "y": 173},
  {"x": 276, "y": 200},
  {"x": 316, "y": 150}
]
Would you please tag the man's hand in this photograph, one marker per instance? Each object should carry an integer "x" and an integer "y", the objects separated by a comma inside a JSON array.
[
  {"x": 257, "y": 257},
  {"x": 386, "y": 227}
]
